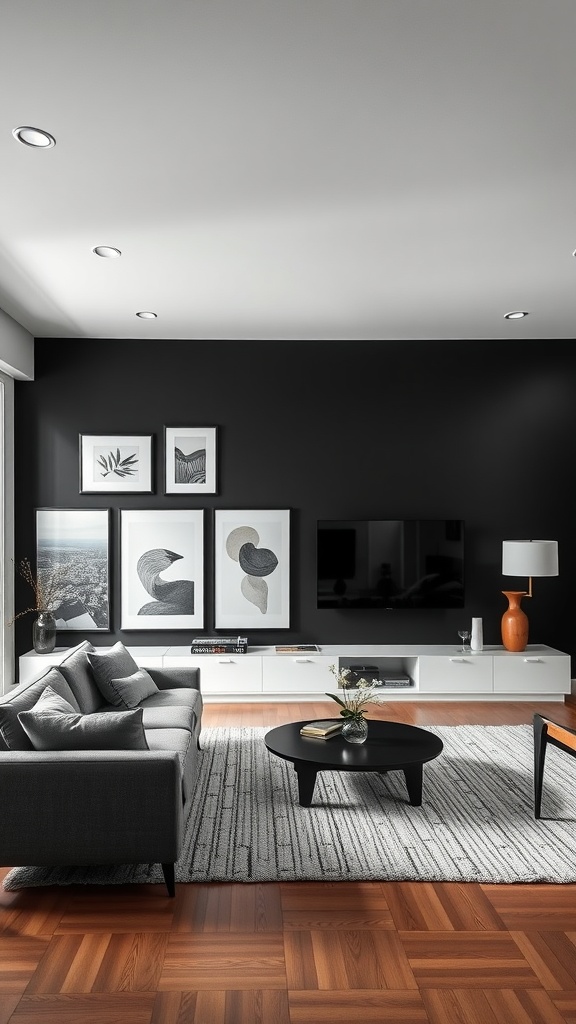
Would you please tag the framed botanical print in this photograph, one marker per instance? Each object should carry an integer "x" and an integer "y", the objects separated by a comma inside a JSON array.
[
  {"x": 190, "y": 460},
  {"x": 115, "y": 463},
  {"x": 162, "y": 569},
  {"x": 252, "y": 569},
  {"x": 73, "y": 565}
]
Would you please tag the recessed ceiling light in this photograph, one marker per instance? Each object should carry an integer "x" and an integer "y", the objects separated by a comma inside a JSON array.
[
  {"x": 108, "y": 251},
  {"x": 516, "y": 315},
  {"x": 35, "y": 137},
  {"x": 146, "y": 315}
]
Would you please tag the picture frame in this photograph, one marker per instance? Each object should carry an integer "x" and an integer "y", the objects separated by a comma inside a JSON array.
[
  {"x": 73, "y": 559},
  {"x": 190, "y": 460},
  {"x": 252, "y": 569},
  {"x": 162, "y": 569},
  {"x": 116, "y": 463}
]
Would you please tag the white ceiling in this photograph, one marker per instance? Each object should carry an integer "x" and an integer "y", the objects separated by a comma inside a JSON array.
[{"x": 290, "y": 169}]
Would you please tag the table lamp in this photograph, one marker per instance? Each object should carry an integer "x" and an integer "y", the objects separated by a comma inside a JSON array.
[{"x": 524, "y": 558}]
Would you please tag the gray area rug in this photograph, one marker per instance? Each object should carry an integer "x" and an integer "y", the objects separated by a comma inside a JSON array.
[{"x": 476, "y": 823}]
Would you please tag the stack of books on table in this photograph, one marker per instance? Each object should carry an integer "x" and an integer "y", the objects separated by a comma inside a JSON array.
[
  {"x": 219, "y": 645},
  {"x": 295, "y": 648},
  {"x": 321, "y": 730}
]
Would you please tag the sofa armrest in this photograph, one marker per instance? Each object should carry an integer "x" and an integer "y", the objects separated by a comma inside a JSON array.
[
  {"x": 90, "y": 807},
  {"x": 172, "y": 678}
]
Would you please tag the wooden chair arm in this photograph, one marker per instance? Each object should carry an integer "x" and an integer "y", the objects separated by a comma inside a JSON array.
[{"x": 560, "y": 733}]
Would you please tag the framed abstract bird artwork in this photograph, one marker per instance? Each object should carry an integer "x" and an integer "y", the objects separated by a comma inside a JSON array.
[
  {"x": 115, "y": 463},
  {"x": 252, "y": 569},
  {"x": 190, "y": 460},
  {"x": 162, "y": 569}
]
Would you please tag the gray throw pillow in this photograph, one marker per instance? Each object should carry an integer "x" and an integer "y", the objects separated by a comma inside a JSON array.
[
  {"x": 78, "y": 674},
  {"x": 52, "y": 724},
  {"x": 115, "y": 663},
  {"x": 24, "y": 698},
  {"x": 131, "y": 690}
]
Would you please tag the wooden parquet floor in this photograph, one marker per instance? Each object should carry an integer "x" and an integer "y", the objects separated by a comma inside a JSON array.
[{"x": 296, "y": 953}]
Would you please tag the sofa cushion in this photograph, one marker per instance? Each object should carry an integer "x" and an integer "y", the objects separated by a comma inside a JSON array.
[
  {"x": 183, "y": 743},
  {"x": 113, "y": 665},
  {"x": 174, "y": 699},
  {"x": 24, "y": 698},
  {"x": 53, "y": 724},
  {"x": 161, "y": 717},
  {"x": 78, "y": 674}
]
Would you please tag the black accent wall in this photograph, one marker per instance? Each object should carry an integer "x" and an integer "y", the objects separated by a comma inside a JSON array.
[{"x": 480, "y": 431}]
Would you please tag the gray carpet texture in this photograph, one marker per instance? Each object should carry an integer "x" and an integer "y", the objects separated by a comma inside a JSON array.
[{"x": 476, "y": 822}]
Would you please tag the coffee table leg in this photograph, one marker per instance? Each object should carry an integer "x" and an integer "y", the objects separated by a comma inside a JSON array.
[
  {"x": 413, "y": 778},
  {"x": 306, "y": 782}
]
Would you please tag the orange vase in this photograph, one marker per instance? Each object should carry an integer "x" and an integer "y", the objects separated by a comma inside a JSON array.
[{"x": 514, "y": 622}]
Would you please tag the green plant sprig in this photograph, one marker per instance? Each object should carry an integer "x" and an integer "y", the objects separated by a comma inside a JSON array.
[{"x": 354, "y": 700}]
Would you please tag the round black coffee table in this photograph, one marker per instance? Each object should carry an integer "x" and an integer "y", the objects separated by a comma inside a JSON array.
[{"x": 391, "y": 746}]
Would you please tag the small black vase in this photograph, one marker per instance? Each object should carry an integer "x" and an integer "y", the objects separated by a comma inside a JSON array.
[{"x": 44, "y": 633}]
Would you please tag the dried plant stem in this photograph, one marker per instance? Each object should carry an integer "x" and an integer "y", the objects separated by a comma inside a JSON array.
[{"x": 45, "y": 587}]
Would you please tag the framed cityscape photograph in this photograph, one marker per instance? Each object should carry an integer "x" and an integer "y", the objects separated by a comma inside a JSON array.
[
  {"x": 73, "y": 564},
  {"x": 190, "y": 460},
  {"x": 252, "y": 569},
  {"x": 115, "y": 463},
  {"x": 162, "y": 569}
]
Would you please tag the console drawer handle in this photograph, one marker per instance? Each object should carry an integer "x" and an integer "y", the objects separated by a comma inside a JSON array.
[
  {"x": 302, "y": 661},
  {"x": 538, "y": 660},
  {"x": 459, "y": 660},
  {"x": 225, "y": 661}
]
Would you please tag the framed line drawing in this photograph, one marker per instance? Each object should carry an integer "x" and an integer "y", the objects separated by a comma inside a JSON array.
[
  {"x": 73, "y": 562},
  {"x": 190, "y": 460},
  {"x": 162, "y": 569},
  {"x": 252, "y": 569},
  {"x": 115, "y": 463}
]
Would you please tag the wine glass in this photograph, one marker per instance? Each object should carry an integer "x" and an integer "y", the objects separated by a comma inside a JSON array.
[{"x": 464, "y": 635}]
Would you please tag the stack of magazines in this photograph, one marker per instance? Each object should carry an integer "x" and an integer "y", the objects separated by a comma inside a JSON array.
[
  {"x": 295, "y": 648},
  {"x": 321, "y": 730},
  {"x": 219, "y": 645}
]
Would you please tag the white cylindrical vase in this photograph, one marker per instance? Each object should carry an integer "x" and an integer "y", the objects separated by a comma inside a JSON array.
[{"x": 476, "y": 637}]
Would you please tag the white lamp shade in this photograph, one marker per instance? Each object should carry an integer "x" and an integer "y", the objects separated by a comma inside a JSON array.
[{"x": 530, "y": 558}]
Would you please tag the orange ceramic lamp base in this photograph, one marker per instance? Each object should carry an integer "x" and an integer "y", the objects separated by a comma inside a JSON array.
[{"x": 514, "y": 622}]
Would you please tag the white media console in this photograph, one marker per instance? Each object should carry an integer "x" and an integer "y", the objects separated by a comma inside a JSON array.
[{"x": 435, "y": 672}]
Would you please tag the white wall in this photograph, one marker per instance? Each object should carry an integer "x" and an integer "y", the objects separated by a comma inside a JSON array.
[
  {"x": 16, "y": 361},
  {"x": 6, "y": 531},
  {"x": 16, "y": 349}
]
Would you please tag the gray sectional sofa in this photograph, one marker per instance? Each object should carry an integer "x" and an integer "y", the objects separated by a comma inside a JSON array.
[{"x": 98, "y": 762}]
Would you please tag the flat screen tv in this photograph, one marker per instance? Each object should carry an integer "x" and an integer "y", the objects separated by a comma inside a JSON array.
[{"x": 390, "y": 563}]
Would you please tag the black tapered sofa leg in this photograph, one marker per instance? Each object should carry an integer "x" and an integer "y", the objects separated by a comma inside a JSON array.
[
  {"x": 540, "y": 738},
  {"x": 168, "y": 870}
]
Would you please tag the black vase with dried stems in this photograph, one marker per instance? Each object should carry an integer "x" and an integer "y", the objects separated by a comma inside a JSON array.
[{"x": 47, "y": 595}]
